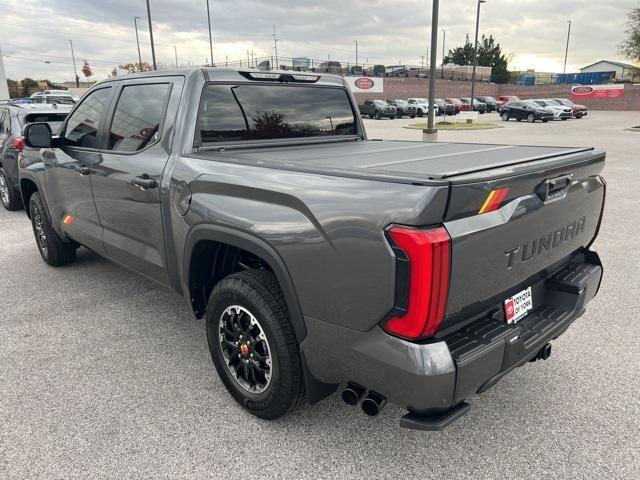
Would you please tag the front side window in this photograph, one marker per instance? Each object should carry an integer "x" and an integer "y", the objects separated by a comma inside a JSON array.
[
  {"x": 138, "y": 116},
  {"x": 82, "y": 127},
  {"x": 259, "y": 112}
]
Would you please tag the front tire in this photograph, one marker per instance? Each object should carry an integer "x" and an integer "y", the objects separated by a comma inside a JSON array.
[
  {"x": 8, "y": 196},
  {"x": 505, "y": 117},
  {"x": 252, "y": 344},
  {"x": 377, "y": 116},
  {"x": 53, "y": 249},
  {"x": 531, "y": 118}
]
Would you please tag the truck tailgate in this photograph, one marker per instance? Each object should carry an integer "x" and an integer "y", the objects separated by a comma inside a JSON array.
[{"x": 550, "y": 210}]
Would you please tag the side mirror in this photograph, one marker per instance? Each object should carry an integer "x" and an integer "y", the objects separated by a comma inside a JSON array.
[{"x": 37, "y": 135}]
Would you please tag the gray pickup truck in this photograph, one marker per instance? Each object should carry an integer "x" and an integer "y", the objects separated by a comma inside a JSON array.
[{"x": 409, "y": 272}]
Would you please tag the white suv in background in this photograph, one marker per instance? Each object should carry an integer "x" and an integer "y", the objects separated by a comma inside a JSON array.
[{"x": 422, "y": 106}]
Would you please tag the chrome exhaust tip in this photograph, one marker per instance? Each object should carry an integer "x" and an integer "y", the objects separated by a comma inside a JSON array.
[{"x": 352, "y": 393}]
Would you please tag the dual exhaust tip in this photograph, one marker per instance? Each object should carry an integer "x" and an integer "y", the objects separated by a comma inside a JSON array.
[{"x": 371, "y": 405}]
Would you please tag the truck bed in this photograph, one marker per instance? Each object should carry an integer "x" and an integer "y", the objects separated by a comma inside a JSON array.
[{"x": 402, "y": 161}]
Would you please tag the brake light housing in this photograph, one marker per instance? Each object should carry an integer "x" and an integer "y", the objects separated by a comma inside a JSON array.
[{"x": 428, "y": 253}]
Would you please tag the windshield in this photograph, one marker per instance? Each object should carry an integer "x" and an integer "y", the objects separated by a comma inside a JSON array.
[
  {"x": 259, "y": 112},
  {"x": 553, "y": 102},
  {"x": 537, "y": 104},
  {"x": 540, "y": 103}
]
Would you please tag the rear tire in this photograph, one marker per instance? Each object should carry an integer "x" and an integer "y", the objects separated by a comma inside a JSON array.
[
  {"x": 505, "y": 117},
  {"x": 8, "y": 196},
  {"x": 377, "y": 115},
  {"x": 420, "y": 113},
  {"x": 251, "y": 338},
  {"x": 53, "y": 249}
]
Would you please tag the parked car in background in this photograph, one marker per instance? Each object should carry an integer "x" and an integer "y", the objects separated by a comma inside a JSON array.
[
  {"x": 445, "y": 108},
  {"x": 376, "y": 71},
  {"x": 559, "y": 111},
  {"x": 478, "y": 106},
  {"x": 330, "y": 67},
  {"x": 525, "y": 110},
  {"x": 459, "y": 104},
  {"x": 13, "y": 117},
  {"x": 502, "y": 99},
  {"x": 356, "y": 71},
  {"x": 54, "y": 99},
  {"x": 378, "y": 109},
  {"x": 492, "y": 104},
  {"x": 579, "y": 111},
  {"x": 422, "y": 106},
  {"x": 403, "y": 108}
]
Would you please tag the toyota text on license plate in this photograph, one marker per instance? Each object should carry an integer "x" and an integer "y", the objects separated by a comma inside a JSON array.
[{"x": 516, "y": 307}]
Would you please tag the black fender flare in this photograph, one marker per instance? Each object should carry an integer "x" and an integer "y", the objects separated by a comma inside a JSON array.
[
  {"x": 255, "y": 245},
  {"x": 316, "y": 390}
]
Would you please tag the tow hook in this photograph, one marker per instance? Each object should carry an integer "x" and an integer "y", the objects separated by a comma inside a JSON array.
[{"x": 543, "y": 353}]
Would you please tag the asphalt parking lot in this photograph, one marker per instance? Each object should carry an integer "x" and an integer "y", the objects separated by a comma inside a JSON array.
[{"x": 104, "y": 374}]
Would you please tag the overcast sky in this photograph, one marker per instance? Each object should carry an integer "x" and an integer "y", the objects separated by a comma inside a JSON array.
[{"x": 388, "y": 31}]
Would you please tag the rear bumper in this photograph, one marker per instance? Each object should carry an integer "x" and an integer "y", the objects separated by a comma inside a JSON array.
[{"x": 430, "y": 378}]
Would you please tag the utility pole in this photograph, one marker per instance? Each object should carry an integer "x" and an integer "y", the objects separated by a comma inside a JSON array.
[
  {"x": 226, "y": 61},
  {"x": 210, "y": 36},
  {"x": 75, "y": 71},
  {"x": 432, "y": 69},
  {"x": 248, "y": 58},
  {"x": 422, "y": 62},
  {"x": 356, "y": 53},
  {"x": 153, "y": 49},
  {"x": 566, "y": 50},
  {"x": 475, "y": 55},
  {"x": 135, "y": 24},
  {"x": 444, "y": 37},
  {"x": 275, "y": 44},
  {"x": 175, "y": 51}
]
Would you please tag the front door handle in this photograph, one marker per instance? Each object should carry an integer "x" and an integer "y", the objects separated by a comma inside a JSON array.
[
  {"x": 82, "y": 170},
  {"x": 144, "y": 182}
]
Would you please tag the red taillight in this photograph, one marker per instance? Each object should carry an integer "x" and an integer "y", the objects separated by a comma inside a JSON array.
[
  {"x": 429, "y": 253},
  {"x": 18, "y": 144}
]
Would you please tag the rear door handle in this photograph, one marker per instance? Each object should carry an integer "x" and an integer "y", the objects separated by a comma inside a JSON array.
[
  {"x": 82, "y": 170},
  {"x": 144, "y": 182}
]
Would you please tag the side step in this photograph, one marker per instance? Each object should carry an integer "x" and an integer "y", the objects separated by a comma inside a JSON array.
[{"x": 436, "y": 422}]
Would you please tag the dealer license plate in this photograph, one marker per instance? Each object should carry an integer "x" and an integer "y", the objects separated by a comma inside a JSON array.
[{"x": 517, "y": 307}]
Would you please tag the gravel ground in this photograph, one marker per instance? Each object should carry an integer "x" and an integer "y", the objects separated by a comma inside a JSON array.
[{"x": 104, "y": 374}]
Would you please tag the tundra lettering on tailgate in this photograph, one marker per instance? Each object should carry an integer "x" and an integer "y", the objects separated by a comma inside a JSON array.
[{"x": 544, "y": 243}]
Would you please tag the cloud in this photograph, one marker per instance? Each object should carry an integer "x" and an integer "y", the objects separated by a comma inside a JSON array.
[{"x": 390, "y": 31}]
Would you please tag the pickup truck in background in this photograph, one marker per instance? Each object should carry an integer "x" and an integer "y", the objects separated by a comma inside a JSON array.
[{"x": 410, "y": 272}]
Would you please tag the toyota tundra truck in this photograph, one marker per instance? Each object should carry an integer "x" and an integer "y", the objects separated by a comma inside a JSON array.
[{"x": 406, "y": 272}]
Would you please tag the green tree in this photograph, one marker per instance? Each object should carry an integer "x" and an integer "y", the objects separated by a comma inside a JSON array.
[
  {"x": 630, "y": 47},
  {"x": 29, "y": 85},
  {"x": 489, "y": 55}
]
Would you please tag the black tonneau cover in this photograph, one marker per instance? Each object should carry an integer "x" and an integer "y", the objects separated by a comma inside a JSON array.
[{"x": 399, "y": 160}]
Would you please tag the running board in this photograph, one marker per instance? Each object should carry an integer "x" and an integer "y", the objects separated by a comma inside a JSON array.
[{"x": 436, "y": 422}]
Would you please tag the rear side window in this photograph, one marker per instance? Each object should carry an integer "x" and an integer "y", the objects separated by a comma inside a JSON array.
[
  {"x": 258, "y": 112},
  {"x": 138, "y": 116},
  {"x": 82, "y": 127}
]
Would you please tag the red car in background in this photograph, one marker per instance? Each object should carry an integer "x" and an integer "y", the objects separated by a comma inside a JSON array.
[
  {"x": 508, "y": 98},
  {"x": 458, "y": 104}
]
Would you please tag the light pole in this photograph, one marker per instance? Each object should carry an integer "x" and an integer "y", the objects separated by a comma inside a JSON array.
[
  {"x": 444, "y": 37},
  {"x": 430, "y": 130},
  {"x": 475, "y": 55},
  {"x": 275, "y": 44},
  {"x": 356, "y": 42},
  {"x": 135, "y": 24},
  {"x": 75, "y": 71},
  {"x": 175, "y": 51},
  {"x": 566, "y": 50},
  {"x": 153, "y": 49},
  {"x": 210, "y": 36}
]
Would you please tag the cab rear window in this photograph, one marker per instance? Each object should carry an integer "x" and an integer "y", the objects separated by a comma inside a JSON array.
[{"x": 260, "y": 112}]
